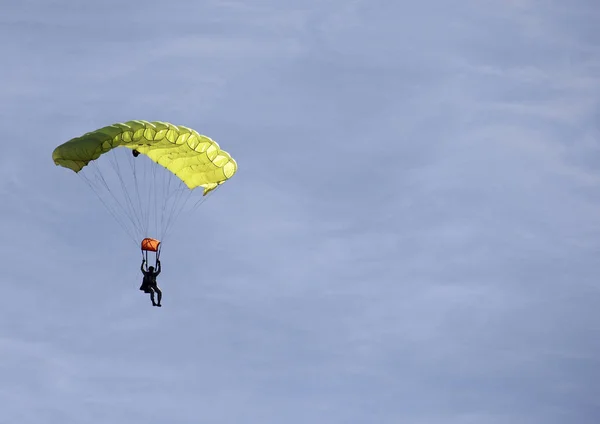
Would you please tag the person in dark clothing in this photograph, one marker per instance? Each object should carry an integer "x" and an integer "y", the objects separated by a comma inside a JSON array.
[{"x": 149, "y": 284}]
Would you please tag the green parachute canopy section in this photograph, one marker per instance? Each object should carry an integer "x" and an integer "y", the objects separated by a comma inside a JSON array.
[{"x": 196, "y": 159}]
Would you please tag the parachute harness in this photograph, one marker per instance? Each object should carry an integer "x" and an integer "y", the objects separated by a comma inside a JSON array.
[
  {"x": 151, "y": 245},
  {"x": 145, "y": 257}
]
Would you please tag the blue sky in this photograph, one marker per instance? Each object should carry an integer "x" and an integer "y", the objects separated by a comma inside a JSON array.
[{"x": 412, "y": 237}]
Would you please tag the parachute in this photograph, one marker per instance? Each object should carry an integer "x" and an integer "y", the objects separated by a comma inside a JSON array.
[{"x": 146, "y": 172}]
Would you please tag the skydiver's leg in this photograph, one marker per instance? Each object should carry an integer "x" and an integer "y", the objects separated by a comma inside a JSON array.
[
  {"x": 159, "y": 293},
  {"x": 152, "y": 297}
]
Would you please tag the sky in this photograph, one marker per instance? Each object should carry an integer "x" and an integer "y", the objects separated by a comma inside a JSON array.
[{"x": 412, "y": 235}]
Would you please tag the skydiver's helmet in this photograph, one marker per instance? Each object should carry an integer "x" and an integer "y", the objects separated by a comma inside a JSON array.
[{"x": 151, "y": 268}]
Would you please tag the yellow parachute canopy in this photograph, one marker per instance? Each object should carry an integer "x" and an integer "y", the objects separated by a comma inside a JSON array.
[
  {"x": 143, "y": 197},
  {"x": 196, "y": 159}
]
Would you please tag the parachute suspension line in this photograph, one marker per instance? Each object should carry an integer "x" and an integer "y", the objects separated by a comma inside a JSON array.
[
  {"x": 132, "y": 162},
  {"x": 172, "y": 190},
  {"x": 165, "y": 187},
  {"x": 131, "y": 212},
  {"x": 154, "y": 194},
  {"x": 159, "y": 217},
  {"x": 145, "y": 256},
  {"x": 161, "y": 197},
  {"x": 175, "y": 216},
  {"x": 108, "y": 189},
  {"x": 152, "y": 211},
  {"x": 163, "y": 206},
  {"x": 100, "y": 178},
  {"x": 204, "y": 198},
  {"x": 176, "y": 206},
  {"x": 167, "y": 190},
  {"x": 194, "y": 207},
  {"x": 130, "y": 198},
  {"x": 146, "y": 208},
  {"x": 108, "y": 208}
]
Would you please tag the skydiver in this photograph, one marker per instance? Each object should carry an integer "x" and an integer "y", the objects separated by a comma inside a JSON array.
[{"x": 149, "y": 284}]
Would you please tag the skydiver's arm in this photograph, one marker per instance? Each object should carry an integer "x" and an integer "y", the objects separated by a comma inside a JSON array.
[
  {"x": 142, "y": 267},
  {"x": 157, "y": 268}
]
